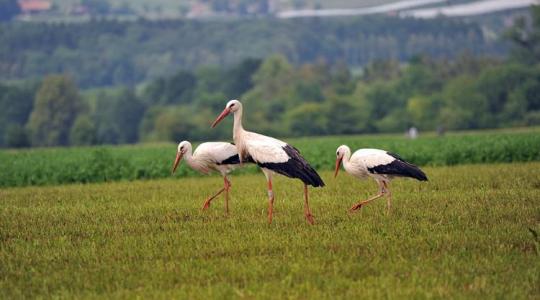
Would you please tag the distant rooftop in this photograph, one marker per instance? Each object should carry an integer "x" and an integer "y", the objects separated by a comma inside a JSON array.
[{"x": 30, "y": 6}]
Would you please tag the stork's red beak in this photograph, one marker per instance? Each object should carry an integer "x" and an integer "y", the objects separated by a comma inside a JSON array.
[
  {"x": 177, "y": 161},
  {"x": 338, "y": 164},
  {"x": 221, "y": 116}
]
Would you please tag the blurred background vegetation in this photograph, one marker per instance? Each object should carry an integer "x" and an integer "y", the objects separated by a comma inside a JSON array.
[{"x": 81, "y": 74}]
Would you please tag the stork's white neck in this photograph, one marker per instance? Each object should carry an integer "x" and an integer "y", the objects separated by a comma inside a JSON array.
[
  {"x": 346, "y": 158},
  {"x": 188, "y": 155},
  {"x": 194, "y": 162},
  {"x": 237, "y": 126}
]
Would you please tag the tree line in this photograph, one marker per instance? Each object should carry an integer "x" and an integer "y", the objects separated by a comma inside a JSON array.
[
  {"x": 280, "y": 99},
  {"x": 109, "y": 53}
]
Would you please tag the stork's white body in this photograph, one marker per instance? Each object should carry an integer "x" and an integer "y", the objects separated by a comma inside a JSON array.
[
  {"x": 362, "y": 160},
  {"x": 271, "y": 154},
  {"x": 260, "y": 148},
  {"x": 211, "y": 156}
]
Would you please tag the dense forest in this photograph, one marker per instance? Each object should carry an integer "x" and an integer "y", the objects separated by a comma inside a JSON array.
[
  {"x": 284, "y": 97},
  {"x": 109, "y": 53}
]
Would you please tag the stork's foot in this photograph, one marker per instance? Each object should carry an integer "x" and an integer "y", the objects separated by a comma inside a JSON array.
[
  {"x": 356, "y": 207},
  {"x": 310, "y": 219},
  {"x": 206, "y": 204}
]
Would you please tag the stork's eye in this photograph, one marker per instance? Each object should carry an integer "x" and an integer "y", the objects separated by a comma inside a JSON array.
[{"x": 232, "y": 105}]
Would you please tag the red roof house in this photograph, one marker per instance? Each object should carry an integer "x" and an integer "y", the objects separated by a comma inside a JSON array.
[{"x": 33, "y": 6}]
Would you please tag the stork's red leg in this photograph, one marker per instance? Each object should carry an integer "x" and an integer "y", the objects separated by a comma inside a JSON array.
[
  {"x": 207, "y": 202},
  {"x": 227, "y": 185},
  {"x": 388, "y": 195},
  {"x": 270, "y": 200},
  {"x": 307, "y": 211},
  {"x": 360, "y": 204}
]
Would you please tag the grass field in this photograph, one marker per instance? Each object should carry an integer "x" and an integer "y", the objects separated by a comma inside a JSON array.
[
  {"x": 110, "y": 163},
  {"x": 467, "y": 233}
]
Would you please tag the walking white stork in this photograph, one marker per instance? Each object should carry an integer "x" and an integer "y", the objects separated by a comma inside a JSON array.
[
  {"x": 272, "y": 155},
  {"x": 379, "y": 165},
  {"x": 217, "y": 156}
]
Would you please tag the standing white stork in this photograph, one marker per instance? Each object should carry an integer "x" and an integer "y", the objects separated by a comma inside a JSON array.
[
  {"x": 217, "y": 156},
  {"x": 379, "y": 165},
  {"x": 272, "y": 155}
]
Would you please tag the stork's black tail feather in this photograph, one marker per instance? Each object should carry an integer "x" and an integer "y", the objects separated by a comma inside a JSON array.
[
  {"x": 295, "y": 167},
  {"x": 416, "y": 172},
  {"x": 310, "y": 177}
]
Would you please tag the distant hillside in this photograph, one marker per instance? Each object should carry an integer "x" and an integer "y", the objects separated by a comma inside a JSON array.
[{"x": 102, "y": 53}]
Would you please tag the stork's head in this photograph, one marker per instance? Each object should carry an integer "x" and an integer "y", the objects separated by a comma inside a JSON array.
[
  {"x": 340, "y": 153},
  {"x": 231, "y": 107},
  {"x": 183, "y": 147}
]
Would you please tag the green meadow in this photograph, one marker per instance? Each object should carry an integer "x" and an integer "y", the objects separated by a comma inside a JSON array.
[{"x": 469, "y": 232}]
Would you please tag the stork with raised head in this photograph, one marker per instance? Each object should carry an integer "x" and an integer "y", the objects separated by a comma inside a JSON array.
[
  {"x": 221, "y": 157},
  {"x": 272, "y": 155},
  {"x": 379, "y": 165}
]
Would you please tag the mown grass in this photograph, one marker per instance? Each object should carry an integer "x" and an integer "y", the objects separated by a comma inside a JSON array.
[
  {"x": 99, "y": 164},
  {"x": 467, "y": 233}
]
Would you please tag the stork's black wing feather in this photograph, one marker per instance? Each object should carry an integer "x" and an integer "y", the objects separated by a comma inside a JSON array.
[
  {"x": 235, "y": 160},
  {"x": 399, "y": 167},
  {"x": 295, "y": 167}
]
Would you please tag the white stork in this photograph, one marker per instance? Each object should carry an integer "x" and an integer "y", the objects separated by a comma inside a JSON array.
[
  {"x": 379, "y": 165},
  {"x": 217, "y": 156},
  {"x": 272, "y": 155}
]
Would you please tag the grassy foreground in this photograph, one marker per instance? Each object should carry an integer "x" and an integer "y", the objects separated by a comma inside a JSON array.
[{"x": 468, "y": 232}]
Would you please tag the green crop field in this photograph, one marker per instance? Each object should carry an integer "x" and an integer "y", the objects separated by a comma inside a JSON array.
[
  {"x": 111, "y": 163},
  {"x": 470, "y": 232}
]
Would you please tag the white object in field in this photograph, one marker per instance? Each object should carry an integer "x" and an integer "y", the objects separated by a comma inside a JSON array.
[
  {"x": 378, "y": 164},
  {"x": 272, "y": 155},
  {"x": 221, "y": 157}
]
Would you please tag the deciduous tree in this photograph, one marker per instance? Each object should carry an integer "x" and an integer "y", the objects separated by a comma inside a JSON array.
[{"x": 56, "y": 107}]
